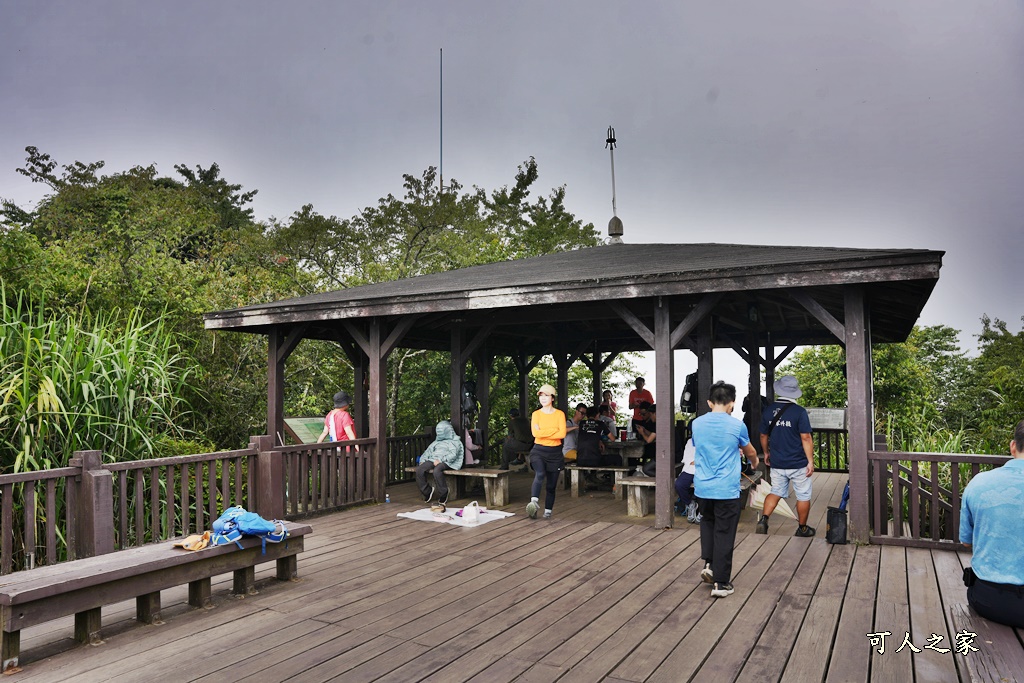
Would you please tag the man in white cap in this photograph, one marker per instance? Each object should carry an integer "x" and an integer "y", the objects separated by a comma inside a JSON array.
[{"x": 789, "y": 451}]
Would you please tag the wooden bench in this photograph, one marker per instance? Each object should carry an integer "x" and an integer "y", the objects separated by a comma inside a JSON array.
[
  {"x": 495, "y": 483},
  {"x": 1000, "y": 656},
  {"x": 639, "y": 491},
  {"x": 576, "y": 472},
  {"x": 83, "y": 587}
]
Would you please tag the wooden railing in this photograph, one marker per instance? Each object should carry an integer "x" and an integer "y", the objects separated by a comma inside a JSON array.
[
  {"x": 169, "y": 497},
  {"x": 402, "y": 453},
  {"x": 915, "y": 497},
  {"x": 831, "y": 450},
  {"x": 323, "y": 477},
  {"x": 22, "y": 546}
]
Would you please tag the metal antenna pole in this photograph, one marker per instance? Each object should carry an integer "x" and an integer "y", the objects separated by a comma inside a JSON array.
[
  {"x": 440, "y": 163},
  {"x": 610, "y": 144},
  {"x": 614, "y": 225}
]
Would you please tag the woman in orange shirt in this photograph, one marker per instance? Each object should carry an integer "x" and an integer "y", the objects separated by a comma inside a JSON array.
[{"x": 548, "y": 426}]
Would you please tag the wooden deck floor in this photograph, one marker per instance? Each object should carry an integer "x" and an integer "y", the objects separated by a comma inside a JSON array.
[{"x": 587, "y": 596}]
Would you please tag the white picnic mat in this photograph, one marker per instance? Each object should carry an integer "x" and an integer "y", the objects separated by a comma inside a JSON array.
[{"x": 449, "y": 516}]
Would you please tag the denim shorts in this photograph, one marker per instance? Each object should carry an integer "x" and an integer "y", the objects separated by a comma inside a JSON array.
[{"x": 801, "y": 483}]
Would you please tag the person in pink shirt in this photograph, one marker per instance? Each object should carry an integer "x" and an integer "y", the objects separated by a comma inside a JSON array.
[
  {"x": 338, "y": 424},
  {"x": 613, "y": 407}
]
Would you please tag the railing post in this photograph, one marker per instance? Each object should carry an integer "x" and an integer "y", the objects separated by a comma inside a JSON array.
[
  {"x": 94, "y": 518},
  {"x": 270, "y": 497}
]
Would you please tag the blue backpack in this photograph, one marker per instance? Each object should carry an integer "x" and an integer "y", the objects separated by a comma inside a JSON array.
[{"x": 237, "y": 522}]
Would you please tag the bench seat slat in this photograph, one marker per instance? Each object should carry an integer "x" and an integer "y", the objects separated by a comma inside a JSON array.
[{"x": 26, "y": 586}]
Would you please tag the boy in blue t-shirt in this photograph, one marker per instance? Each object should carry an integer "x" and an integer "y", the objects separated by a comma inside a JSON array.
[{"x": 717, "y": 436}]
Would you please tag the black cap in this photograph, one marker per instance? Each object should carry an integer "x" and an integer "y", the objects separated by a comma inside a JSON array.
[{"x": 341, "y": 399}]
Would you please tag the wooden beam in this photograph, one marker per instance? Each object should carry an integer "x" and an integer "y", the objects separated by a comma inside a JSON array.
[
  {"x": 819, "y": 312},
  {"x": 742, "y": 353},
  {"x": 403, "y": 326},
  {"x": 630, "y": 318},
  {"x": 295, "y": 335},
  {"x": 358, "y": 336},
  {"x": 699, "y": 312},
  {"x": 478, "y": 339},
  {"x": 785, "y": 352},
  {"x": 610, "y": 358},
  {"x": 352, "y": 352}
]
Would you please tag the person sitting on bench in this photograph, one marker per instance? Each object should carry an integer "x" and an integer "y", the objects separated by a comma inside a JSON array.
[
  {"x": 519, "y": 439},
  {"x": 589, "y": 449},
  {"x": 445, "y": 453}
]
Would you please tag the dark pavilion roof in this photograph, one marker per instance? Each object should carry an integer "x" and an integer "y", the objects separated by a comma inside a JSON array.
[{"x": 566, "y": 294}]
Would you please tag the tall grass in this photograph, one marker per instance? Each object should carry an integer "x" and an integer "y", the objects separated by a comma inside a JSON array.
[{"x": 113, "y": 384}]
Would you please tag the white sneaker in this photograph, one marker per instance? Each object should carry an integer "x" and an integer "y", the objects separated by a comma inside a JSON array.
[
  {"x": 706, "y": 575},
  {"x": 547, "y": 514},
  {"x": 722, "y": 590},
  {"x": 531, "y": 509}
]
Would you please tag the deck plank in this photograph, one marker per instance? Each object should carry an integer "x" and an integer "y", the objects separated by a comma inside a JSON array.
[
  {"x": 851, "y": 653},
  {"x": 926, "y": 618},
  {"x": 892, "y": 614},
  {"x": 816, "y": 632}
]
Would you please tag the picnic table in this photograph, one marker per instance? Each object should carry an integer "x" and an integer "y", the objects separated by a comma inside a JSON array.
[{"x": 629, "y": 450}]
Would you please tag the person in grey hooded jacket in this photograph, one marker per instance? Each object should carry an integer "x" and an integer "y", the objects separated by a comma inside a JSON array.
[{"x": 445, "y": 453}]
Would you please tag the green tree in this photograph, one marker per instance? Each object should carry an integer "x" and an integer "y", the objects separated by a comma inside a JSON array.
[
  {"x": 426, "y": 230},
  {"x": 916, "y": 382},
  {"x": 996, "y": 386}
]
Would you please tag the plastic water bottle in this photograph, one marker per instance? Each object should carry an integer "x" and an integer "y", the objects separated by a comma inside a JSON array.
[{"x": 387, "y": 497}]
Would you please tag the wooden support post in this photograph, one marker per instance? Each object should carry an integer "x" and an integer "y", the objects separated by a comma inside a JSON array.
[
  {"x": 147, "y": 608},
  {"x": 11, "y": 651},
  {"x": 378, "y": 368},
  {"x": 271, "y": 500},
  {"x": 87, "y": 626},
  {"x": 705, "y": 367},
  {"x": 458, "y": 374},
  {"x": 361, "y": 394},
  {"x": 753, "y": 415},
  {"x": 199, "y": 594},
  {"x": 287, "y": 568},
  {"x": 483, "y": 393},
  {"x": 858, "y": 402},
  {"x": 595, "y": 375},
  {"x": 562, "y": 383},
  {"x": 244, "y": 581},
  {"x": 275, "y": 385},
  {"x": 664, "y": 371},
  {"x": 94, "y": 516}
]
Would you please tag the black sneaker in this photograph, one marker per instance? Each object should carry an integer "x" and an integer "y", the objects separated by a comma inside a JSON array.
[
  {"x": 722, "y": 590},
  {"x": 444, "y": 499},
  {"x": 762, "y": 526},
  {"x": 804, "y": 531},
  {"x": 428, "y": 496}
]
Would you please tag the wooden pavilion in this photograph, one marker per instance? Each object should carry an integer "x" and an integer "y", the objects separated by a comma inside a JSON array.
[{"x": 592, "y": 304}]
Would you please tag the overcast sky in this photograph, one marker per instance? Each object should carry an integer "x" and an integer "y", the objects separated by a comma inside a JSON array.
[{"x": 842, "y": 123}]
